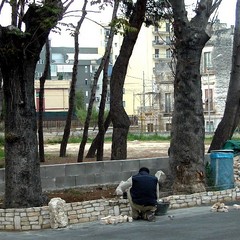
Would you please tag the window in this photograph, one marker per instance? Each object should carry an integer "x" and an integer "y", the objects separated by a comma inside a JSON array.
[
  {"x": 168, "y": 103},
  {"x": 208, "y": 99},
  {"x": 40, "y": 61},
  {"x": 124, "y": 104},
  {"x": 156, "y": 39},
  {"x": 168, "y": 53},
  {"x": 209, "y": 127},
  {"x": 115, "y": 44},
  {"x": 86, "y": 69},
  {"x": 167, "y": 27},
  {"x": 168, "y": 126},
  {"x": 86, "y": 81},
  {"x": 207, "y": 61},
  {"x": 156, "y": 55},
  {"x": 168, "y": 40}
]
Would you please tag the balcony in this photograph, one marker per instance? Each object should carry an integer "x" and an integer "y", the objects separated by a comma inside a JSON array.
[
  {"x": 162, "y": 43},
  {"x": 162, "y": 57},
  {"x": 157, "y": 42}
]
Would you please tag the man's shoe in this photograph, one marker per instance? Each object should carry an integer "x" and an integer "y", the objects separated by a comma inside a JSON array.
[{"x": 151, "y": 217}]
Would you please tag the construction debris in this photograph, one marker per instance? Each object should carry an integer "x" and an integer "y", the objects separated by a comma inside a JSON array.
[
  {"x": 219, "y": 207},
  {"x": 116, "y": 219}
]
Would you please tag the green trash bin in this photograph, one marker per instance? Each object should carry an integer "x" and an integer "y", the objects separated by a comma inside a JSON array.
[{"x": 222, "y": 168}]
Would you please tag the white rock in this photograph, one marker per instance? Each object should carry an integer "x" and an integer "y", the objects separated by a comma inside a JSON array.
[{"x": 58, "y": 216}]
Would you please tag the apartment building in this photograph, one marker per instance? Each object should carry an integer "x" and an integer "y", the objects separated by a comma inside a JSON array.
[
  {"x": 62, "y": 59},
  {"x": 148, "y": 89},
  {"x": 216, "y": 67}
]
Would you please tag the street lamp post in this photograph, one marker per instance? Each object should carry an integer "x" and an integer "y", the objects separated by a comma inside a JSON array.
[{"x": 209, "y": 113}]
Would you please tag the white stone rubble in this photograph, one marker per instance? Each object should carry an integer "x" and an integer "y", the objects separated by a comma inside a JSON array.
[
  {"x": 115, "y": 219},
  {"x": 58, "y": 216},
  {"x": 219, "y": 207}
]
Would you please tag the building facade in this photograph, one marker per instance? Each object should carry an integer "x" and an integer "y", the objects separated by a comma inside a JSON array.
[
  {"x": 61, "y": 66},
  {"x": 148, "y": 89}
]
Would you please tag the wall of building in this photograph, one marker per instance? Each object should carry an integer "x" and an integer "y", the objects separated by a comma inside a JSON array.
[{"x": 56, "y": 94}]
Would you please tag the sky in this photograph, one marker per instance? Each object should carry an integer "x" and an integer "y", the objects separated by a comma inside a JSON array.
[
  {"x": 88, "y": 30},
  {"x": 88, "y": 33}
]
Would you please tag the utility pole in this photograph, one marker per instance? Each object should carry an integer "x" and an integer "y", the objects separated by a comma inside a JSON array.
[
  {"x": 209, "y": 113},
  {"x": 143, "y": 93}
]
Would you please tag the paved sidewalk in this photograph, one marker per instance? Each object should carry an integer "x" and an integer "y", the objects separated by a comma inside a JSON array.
[{"x": 191, "y": 223}]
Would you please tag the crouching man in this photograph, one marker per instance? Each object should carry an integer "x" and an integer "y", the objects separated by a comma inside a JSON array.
[{"x": 142, "y": 191}]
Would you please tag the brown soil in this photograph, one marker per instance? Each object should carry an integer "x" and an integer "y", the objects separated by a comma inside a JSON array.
[{"x": 80, "y": 195}]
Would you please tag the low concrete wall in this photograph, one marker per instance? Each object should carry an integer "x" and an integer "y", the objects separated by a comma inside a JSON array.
[{"x": 63, "y": 176}]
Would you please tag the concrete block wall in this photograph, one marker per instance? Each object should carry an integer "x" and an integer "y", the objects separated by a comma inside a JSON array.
[{"x": 63, "y": 176}]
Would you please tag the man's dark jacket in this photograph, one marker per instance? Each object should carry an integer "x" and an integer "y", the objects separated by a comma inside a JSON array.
[{"x": 143, "y": 190}]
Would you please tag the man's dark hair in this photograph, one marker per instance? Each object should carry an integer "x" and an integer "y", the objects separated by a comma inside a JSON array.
[{"x": 144, "y": 169}]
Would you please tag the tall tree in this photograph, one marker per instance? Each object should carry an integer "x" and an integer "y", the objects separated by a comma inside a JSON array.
[
  {"x": 94, "y": 146},
  {"x": 19, "y": 53},
  {"x": 71, "y": 108},
  {"x": 119, "y": 116},
  {"x": 103, "y": 65},
  {"x": 101, "y": 125},
  {"x": 231, "y": 114},
  {"x": 187, "y": 142},
  {"x": 41, "y": 102}
]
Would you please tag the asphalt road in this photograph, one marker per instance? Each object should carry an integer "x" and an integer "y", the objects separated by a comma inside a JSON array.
[{"x": 192, "y": 223}]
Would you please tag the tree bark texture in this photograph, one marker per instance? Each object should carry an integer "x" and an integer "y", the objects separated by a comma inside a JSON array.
[
  {"x": 19, "y": 53},
  {"x": 119, "y": 116},
  {"x": 187, "y": 141},
  {"x": 231, "y": 114}
]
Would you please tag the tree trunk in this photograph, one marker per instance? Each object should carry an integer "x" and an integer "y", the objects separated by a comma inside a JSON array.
[
  {"x": 93, "y": 148},
  {"x": 187, "y": 142},
  {"x": 231, "y": 114},
  {"x": 18, "y": 58},
  {"x": 22, "y": 167},
  {"x": 101, "y": 129},
  {"x": 94, "y": 87},
  {"x": 119, "y": 116},
  {"x": 41, "y": 103},
  {"x": 71, "y": 108},
  {"x": 1, "y": 98}
]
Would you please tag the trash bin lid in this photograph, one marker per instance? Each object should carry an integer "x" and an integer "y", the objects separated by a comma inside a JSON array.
[{"x": 223, "y": 150}]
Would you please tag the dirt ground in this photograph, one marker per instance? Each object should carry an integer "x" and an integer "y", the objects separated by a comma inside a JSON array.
[{"x": 136, "y": 150}]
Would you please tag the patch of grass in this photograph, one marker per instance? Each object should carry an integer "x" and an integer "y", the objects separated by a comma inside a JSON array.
[
  {"x": 1, "y": 141},
  {"x": 2, "y": 155},
  {"x": 148, "y": 137}
]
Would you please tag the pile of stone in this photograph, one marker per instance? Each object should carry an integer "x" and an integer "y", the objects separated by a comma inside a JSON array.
[
  {"x": 115, "y": 219},
  {"x": 219, "y": 207},
  {"x": 236, "y": 165}
]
